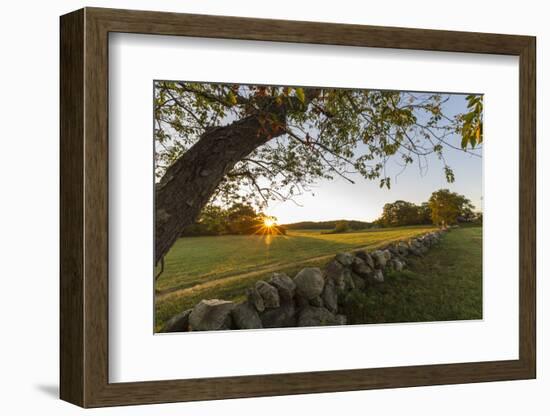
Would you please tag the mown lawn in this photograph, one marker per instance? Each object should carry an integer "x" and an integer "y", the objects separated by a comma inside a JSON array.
[
  {"x": 223, "y": 267},
  {"x": 195, "y": 260},
  {"x": 444, "y": 285}
]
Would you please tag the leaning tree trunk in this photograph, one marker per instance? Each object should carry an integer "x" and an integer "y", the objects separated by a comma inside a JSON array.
[{"x": 189, "y": 183}]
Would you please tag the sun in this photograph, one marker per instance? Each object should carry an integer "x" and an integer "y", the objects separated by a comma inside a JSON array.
[{"x": 269, "y": 222}]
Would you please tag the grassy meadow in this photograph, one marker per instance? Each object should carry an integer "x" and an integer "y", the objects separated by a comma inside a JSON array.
[
  {"x": 444, "y": 285},
  {"x": 223, "y": 267}
]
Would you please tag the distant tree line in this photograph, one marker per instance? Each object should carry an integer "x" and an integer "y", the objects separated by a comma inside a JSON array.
[
  {"x": 443, "y": 208},
  {"x": 328, "y": 225},
  {"x": 238, "y": 219}
]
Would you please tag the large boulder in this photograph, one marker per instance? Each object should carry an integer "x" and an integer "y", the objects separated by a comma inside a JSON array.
[
  {"x": 330, "y": 296},
  {"x": 317, "y": 301},
  {"x": 334, "y": 271},
  {"x": 269, "y": 294},
  {"x": 178, "y": 323},
  {"x": 379, "y": 259},
  {"x": 300, "y": 301},
  {"x": 349, "y": 284},
  {"x": 415, "y": 251},
  {"x": 363, "y": 255},
  {"x": 255, "y": 299},
  {"x": 403, "y": 249},
  {"x": 414, "y": 247},
  {"x": 281, "y": 317},
  {"x": 210, "y": 315},
  {"x": 346, "y": 259},
  {"x": 285, "y": 285},
  {"x": 359, "y": 282},
  {"x": 313, "y": 316},
  {"x": 309, "y": 282},
  {"x": 415, "y": 243},
  {"x": 378, "y": 276},
  {"x": 360, "y": 267},
  {"x": 393, "y": 249},
  {"x": 387, "y": 255},
  {"x": 245, "y": 316},
  {"x": 366, "y": 257},
  {"x": 369, "y": 261},
  {"x": 397, "y": 265}
]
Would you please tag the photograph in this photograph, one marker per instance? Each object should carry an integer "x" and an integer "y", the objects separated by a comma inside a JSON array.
[{"x": 281, "y": 206}]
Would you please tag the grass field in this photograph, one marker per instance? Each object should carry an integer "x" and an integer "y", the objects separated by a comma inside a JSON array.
[
  {"x": 223, "y": 267},
  {"x": 444, "y": 285}
]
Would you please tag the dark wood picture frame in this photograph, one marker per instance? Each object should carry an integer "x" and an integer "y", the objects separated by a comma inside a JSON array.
[{"x": 84, "y": 207}]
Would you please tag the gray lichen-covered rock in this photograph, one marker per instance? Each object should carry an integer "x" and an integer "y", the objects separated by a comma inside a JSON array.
[
  {"x": 346, "y": 259},
  {"x": 359, "y": 282},
  {"x": 269, "y": 294},
  {"x": 317, "y": 301},
  {"x": 312, "y": 298},
  {"x": 313, "y": 316},
  {"x": 403, "y": 249},
  {"x": 245, "y": 316},
  {"x": 309, "y": 282},
  {"x": 393, "y": 250},
  {"x": 285, "y": 285},
  {"x": 178, "y": 323},
  {"x": 397, "y": 265},
  {"x": 210, "y": 315},
  {"x": 379, "y": 259},
  {"x": 281, "y": 317},
  {"x": 255, "y": 299},
  {"x": 334, "y": 271},
  {"x": 369, "y": 260},
  {"x": 300, "y": 301},
  {"x": 414, "y": 250},
  {"x": 360, "y": 267},
  {"x": 330, "y": 296},
  {"x": 378, "y": 276},
  {"x": 349, "y": 284}
]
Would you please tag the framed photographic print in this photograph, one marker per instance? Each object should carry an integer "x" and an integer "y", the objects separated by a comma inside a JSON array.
[{"x": 256, "y": 207}]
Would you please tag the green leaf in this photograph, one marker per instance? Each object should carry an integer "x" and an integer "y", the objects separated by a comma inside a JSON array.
[
  {"x": 232, "y": 98},
  {"x": 301, "y": 95},
  {"x": 464, "y": 142}
]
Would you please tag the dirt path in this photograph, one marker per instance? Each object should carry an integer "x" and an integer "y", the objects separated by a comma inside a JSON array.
[
  {"x": 176, "y": 293},
  {"x": 169, "y": 293}
]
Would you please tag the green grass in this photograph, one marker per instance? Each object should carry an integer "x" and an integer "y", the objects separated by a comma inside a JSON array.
[
  {"x": 444, "y": 285},
  {"x": 223, "y": 267},
  {"x": 195, "y": 260}
]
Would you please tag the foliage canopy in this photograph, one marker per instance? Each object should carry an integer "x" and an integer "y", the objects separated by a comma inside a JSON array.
[{"x": 322, "y": 133}]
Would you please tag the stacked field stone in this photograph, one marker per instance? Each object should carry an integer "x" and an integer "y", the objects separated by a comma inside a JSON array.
[{"x": 313, "y": 297}]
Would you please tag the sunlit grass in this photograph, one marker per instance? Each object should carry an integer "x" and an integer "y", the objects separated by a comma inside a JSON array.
[
  {"x": 222, "y": 267},
  {"x": 446, "y": 284},
  {"x": 194, "y": 260}
]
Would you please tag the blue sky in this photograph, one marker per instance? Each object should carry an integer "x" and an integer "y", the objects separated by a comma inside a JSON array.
[{"x": 339, "y": 199}]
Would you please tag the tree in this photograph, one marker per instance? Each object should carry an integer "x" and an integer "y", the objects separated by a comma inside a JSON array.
[
  {"x": 340, "y": 227},
  {"x": 446, "y": 207},
  {"x": 400, "y": 213},
  {"x": 242, "y": 219},
  {"x": 424, "y": 213},
  {"x": 219, "y": 143},
  {"x": 238, "y": 219}
]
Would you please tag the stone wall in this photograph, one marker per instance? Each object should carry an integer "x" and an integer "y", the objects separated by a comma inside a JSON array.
[{"x": 314, "y": 297}]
